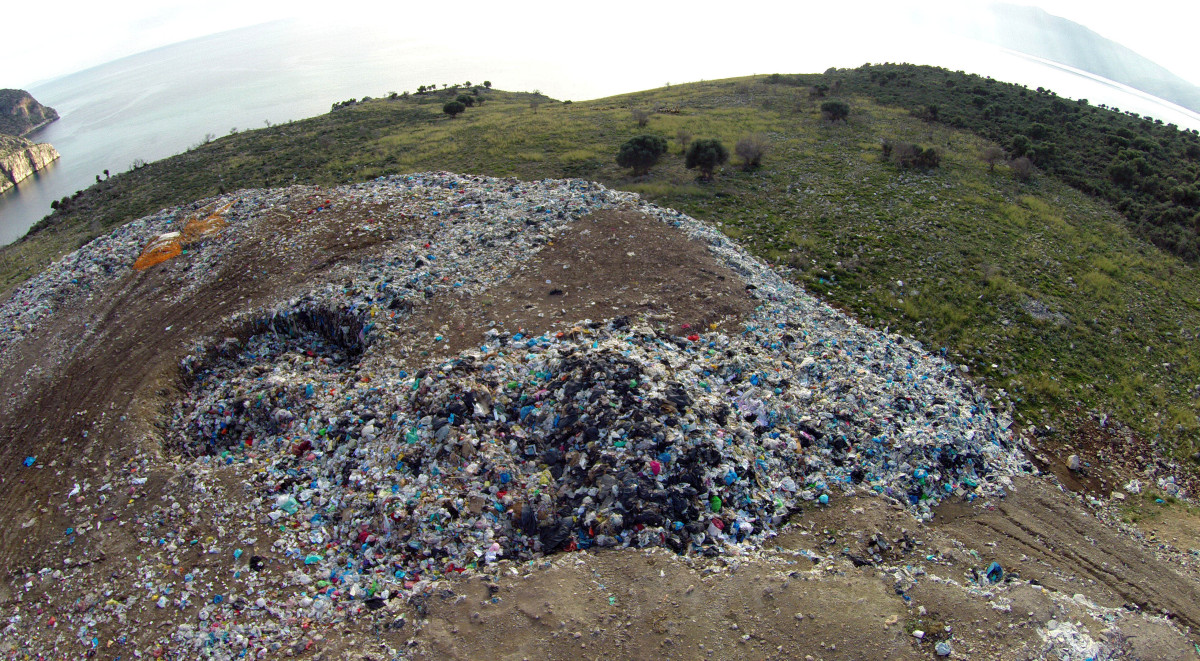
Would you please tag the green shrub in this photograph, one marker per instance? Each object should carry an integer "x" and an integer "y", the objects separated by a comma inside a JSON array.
[
  {"x": 909, "y": 155},
  {"x": 641, "y": 153},
  {"x": 706, "y": 155},
  {"x": 835, "y": 110}
]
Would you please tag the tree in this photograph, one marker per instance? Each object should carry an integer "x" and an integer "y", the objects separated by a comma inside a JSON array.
[
  {"x": 992, "y": 155},
  {"x": 751, "y": 150},
  {"x": 487, "y": 84},
  {"x": 1021, "y": 145},
  {"x": 1121, "y": 172},
  {"x": 706, "y": 154},
  {"x": 640, "y": 116},
  {"x": 1022, "y": 168},
  {"x": 641, "y": 153},
  {"x": 910, "y": 155},
  {"x": 684, "y": 137},
  {"x": 453, "y": 108},
  {"x": 835, "y": 109},
  {"x": 465, "y": 99}
]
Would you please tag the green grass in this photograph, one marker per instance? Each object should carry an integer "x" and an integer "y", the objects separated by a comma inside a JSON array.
[
  {"x": 1037, "y": 288},
  {"x": 1152, "y": 505}
]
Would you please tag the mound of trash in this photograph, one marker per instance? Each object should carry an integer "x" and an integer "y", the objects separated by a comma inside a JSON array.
[
  {"x": 604, "y": 433},
  {"x": 371, "y": 468}
]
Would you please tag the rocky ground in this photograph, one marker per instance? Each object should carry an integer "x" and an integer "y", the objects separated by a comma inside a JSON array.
[{"x": 441, "y": 416}]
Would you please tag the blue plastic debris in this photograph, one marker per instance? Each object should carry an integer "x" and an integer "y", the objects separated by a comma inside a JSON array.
[{"x": 994, "y": 572}]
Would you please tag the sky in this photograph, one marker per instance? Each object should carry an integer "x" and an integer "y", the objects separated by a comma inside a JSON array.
[{"x": 88, "y": 34}]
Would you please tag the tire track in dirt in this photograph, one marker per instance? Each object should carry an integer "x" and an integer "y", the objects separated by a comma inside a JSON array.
[{"x": 1037, "y": 521}]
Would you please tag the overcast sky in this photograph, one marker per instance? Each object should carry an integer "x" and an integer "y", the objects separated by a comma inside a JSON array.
[{"x": 72, "y": 37}]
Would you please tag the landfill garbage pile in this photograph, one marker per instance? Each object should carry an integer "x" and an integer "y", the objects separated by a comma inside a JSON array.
[
  {"x": 623, "y": 435},
  {"x": 611, "y": 433},
  {"x": 379, "y": 475}
]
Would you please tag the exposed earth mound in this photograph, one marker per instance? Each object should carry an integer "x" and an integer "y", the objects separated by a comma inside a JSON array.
[{"x": 448, "y": 416}]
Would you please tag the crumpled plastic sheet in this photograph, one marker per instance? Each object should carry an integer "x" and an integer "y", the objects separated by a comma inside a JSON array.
[{"x": 1066, "y": 642}]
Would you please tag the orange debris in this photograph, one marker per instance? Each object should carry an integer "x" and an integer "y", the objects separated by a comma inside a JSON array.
[
  {"x": 204, "y": 223},
  {"x": 162, "y": 248}
]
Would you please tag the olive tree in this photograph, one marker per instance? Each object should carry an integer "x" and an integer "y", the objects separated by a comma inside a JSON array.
[{"x": 993, "y": 155}]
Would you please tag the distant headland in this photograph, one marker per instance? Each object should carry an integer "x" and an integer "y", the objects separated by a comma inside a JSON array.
[{"x": 20, "y": 114}]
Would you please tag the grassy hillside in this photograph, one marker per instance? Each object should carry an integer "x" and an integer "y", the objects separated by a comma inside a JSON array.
[
  {"x": 1037, "y": 288},
  {"x": 1148, "y": 170}
]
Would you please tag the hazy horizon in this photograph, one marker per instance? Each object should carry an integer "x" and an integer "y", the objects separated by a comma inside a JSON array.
[{"x": 105, "y": 33}]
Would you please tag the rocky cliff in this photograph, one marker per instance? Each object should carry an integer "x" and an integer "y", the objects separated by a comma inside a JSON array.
[
  {"x": 20, "y": 113},
  {"x": 20, "y": 158}
]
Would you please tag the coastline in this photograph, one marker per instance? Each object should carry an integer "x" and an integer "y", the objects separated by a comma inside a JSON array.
[
  {"x": 23, "y": 161},
  {"x": 38, "y": 126}
]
